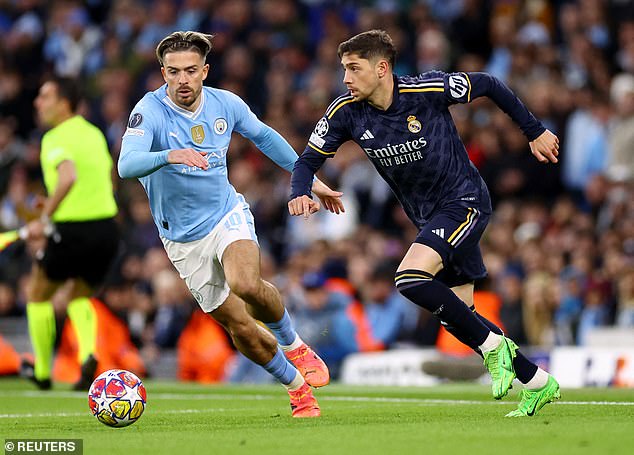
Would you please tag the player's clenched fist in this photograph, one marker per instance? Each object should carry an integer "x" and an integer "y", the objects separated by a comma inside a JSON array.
[
  {"x": 302, "y": 205},
  {"x": 545, "y": 147},
  {"x": 188, "y": 156}
]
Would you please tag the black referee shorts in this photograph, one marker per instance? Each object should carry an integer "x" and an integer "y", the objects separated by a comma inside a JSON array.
[
  {"x": 83, "y": 249},
  {"x": 454, "y": 232}
]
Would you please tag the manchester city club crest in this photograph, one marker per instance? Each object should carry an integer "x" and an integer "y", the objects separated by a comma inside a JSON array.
[
  {"x": 220, "y": 126},
  {"x": 413, "y": 125},
  {"x": 198, "y": 134}
]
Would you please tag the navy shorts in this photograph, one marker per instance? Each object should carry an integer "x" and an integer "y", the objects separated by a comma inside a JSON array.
[{"x": 454, "y": 233}]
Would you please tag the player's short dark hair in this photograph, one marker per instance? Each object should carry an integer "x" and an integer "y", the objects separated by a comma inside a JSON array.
[
  {"x": 68, "y": 89},
  {"x": 370, "y": 44},
  {"x": 184, "y": 41}
]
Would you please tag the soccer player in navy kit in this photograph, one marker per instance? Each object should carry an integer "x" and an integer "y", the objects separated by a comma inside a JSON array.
[{"x": 404, "y": 126}]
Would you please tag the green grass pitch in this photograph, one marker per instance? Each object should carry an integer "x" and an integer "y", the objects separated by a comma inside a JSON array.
[{"x": 449, "y": 419}]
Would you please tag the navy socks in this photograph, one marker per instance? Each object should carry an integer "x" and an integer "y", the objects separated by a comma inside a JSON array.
[
  {"x": 463, "y": 322},
  {"x": 425, "y": 291}
]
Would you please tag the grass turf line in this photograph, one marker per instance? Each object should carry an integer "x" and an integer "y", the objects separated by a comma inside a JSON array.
[{"x": 453, "y": 418}]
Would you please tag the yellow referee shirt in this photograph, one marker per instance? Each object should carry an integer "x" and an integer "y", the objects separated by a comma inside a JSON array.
[{"x": 79, "y": 141}]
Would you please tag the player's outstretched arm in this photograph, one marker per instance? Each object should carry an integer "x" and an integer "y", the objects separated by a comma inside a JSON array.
[
  {"x": 329, "y": 198},
  {"x": 302, "y": 205},
  {"x": 545, "y": 147},
  {"x": 135, "y": 163}
]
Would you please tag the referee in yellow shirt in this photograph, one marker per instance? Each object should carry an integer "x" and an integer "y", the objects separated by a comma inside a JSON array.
[{"x": 77, "y": 233}]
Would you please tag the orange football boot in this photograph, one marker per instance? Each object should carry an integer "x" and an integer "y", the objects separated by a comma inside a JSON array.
[
  {"x": 309, "y": 365},
  {"x": 303, "y": 402}
]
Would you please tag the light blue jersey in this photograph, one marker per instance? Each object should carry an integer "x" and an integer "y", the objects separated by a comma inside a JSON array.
[{"x": 187, "y": 202}]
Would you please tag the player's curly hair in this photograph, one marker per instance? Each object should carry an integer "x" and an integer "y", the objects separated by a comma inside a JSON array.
[
  {"x": 184, "y": 41},
  {"x": 370, "y": 44}
]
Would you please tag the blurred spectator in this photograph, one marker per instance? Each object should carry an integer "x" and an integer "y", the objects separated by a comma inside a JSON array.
[
  {"x": 570, "y": 306},
  {"x": 162, "y": 22},
  {"x": 16, "y": 106},
  {"x": 620, "y": 165},
  {"x": 142, "y": 234},
  {"x": 11, "y": 151},
  {"x": 173, "y": 307},
  {"x": 501, "y": 35},
  {"x": 315, "y": 318},
  {"x": 511, "y": 316},
  {"x": 390, "y": 315},
  {"x": 73, "y": 46},
  {"x": 595, "y": 311},
  {"x": 584, "y": 150},
  {"x": 432, "y": 51},
  {"x": 626, "y": 299}
]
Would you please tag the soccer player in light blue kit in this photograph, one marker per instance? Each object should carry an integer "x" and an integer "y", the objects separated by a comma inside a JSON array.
[{"x": 176, "y": 144}]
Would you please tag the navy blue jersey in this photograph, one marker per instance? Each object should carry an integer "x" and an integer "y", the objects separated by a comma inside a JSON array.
[{"x": 414, "y": 143}]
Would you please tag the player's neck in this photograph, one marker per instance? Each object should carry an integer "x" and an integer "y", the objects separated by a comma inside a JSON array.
[{"x": 383, "y": 96}]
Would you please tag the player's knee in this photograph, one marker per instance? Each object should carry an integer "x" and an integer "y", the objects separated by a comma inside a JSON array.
[
  {"x": 419, "y": 287},
  {"x": 247, "y": 289},
  {"x": 410, "y": 284},
  {"x": 245, "y": 332}
]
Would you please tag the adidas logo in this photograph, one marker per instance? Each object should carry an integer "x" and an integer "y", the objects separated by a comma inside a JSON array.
[
  {"x": 367, "y": 135},
  {"x": 440, "y": 232}
]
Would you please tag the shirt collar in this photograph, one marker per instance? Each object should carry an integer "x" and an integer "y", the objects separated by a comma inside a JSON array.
[{"x": 184, "y": 112}]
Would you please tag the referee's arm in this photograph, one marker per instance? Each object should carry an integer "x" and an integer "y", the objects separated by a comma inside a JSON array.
[{"x": 66, "y": 178}]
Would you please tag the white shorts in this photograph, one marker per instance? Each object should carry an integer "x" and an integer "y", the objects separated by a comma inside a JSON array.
[{"x": 199, "y": 262}]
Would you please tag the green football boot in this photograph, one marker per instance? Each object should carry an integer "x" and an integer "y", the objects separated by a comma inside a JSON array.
[
  {"x": 531, "y": 401},
  {"x": 499, "y": 362}
]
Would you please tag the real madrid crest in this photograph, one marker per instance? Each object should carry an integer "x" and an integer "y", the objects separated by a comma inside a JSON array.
[
  {"x": 413, "y": 125},
  {"x": 220, "y": 126},
  {"x": 198, "y": 134}
]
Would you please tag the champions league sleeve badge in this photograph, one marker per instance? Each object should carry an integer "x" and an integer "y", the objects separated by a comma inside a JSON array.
[{"x": 135, "y": 120}]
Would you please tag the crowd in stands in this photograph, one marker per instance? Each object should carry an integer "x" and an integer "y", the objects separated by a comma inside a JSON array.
[{"x": 560, "y": 245}]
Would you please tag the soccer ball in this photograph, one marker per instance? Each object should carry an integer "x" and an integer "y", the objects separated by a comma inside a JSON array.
[{"x": 117, "y": 398}]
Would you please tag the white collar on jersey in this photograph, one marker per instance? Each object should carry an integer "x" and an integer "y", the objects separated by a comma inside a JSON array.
[{"x": 184, "y": 112}]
